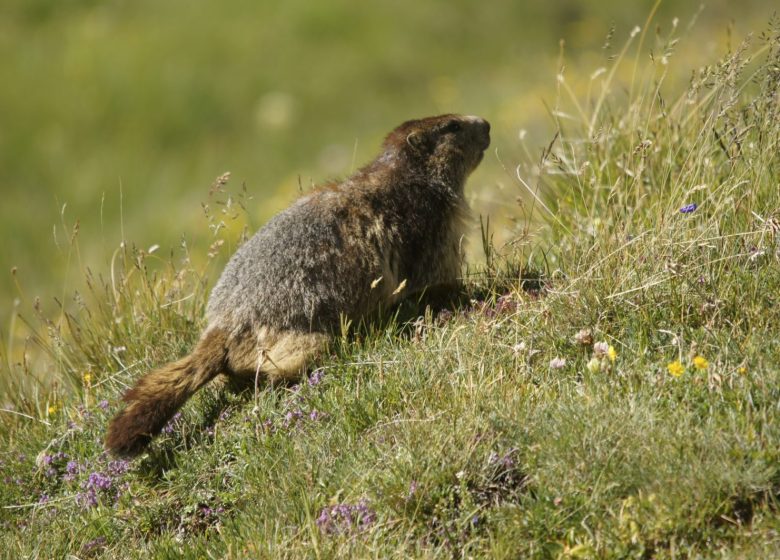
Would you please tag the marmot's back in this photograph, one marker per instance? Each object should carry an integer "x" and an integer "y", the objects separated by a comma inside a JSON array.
[{"x": 298, "y": 271}]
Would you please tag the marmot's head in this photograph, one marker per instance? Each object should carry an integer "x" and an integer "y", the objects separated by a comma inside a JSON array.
[{"x": 445, "y": 149}]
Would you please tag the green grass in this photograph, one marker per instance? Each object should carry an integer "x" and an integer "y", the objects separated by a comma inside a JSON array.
[{"x": 497, "y": 431}]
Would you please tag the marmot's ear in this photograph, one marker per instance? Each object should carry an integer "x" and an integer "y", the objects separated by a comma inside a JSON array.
[{"x": 415, "y": 139}]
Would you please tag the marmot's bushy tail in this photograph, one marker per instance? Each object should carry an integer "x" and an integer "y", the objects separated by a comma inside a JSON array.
[{"x": 160, "y": 393}]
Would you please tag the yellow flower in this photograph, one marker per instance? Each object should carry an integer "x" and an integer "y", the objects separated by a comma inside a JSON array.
[
  {"x": 700, "y": 362},
  {"x": 742, "y": 370},
  {"x": 87, "y": 378},
  {"x": 675, "y": 368},
  {"x": 611, "y": 353},
  {"x": 52, "y": 409}
]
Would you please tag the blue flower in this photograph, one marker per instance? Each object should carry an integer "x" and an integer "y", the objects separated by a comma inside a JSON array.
[{"x": 688, "y": 208}]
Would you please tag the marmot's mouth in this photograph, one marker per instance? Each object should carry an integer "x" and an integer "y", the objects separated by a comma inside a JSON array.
[{"x": 480, "y": 156}]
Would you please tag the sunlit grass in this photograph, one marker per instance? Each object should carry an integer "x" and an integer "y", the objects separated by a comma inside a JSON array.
[{"x": 609, "y": 390}]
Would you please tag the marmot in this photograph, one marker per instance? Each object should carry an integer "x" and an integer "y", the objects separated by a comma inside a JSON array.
[{"x": 392, "y": 229}]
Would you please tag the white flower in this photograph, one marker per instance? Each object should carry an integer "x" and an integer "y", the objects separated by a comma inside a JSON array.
[
  {"x": 583, "y": 337},
  {"x": 557, "y": 363},
  {"x": 600, "y": 349}
]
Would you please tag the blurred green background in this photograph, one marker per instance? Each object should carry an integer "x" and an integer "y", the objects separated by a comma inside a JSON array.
[{"x": 156, "y": 99}]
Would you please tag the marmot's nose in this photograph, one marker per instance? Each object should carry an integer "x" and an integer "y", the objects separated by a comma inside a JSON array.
[
  {"x": 482, "y": 129},
  {"x": 479, "y": 121}
]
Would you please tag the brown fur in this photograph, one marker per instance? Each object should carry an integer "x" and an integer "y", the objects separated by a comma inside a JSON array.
[
  {"x": 158, "y": 395},
  {"x": 339, "y": 253}
]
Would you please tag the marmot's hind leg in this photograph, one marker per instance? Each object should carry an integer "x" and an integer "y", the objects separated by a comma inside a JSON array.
[{"x": 274, "y": 356}]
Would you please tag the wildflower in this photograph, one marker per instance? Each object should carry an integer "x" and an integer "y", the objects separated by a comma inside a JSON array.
[
  {"x": 103, "y": 404},
  {"x": 612, "y": 354},
  {"x": 742, "y": 370},
  {"x": 292, "y": 417},
  {"x": 87, "y": 377},
  {"x": 98, "y": 481},
  {"x": 519, "y": 348},
  {"x": 118, "y": 467},
  {"x": 584, "y": 337},
  {"x": 316, "y": 377},
  {"x": 600, "y": 349},
  {"x": 505, "y": 303},
  {"x": 52, "y": 409},
  {"x": 444, "y": 315},
  {"x": 171, "y": 425},
  {"x": 675, "y": 368},
  {"x": 701, "y": 362},
  {"x": 688, "y": 208},
  {"x": 93, "y": 546},
  {"x": 345, "y": 518},
  {"x": 594, "y": 365},
  {"x": 87, "y": 499},
  {"x": 557, "y": 363},
  {"x": 72, "y": 470}
]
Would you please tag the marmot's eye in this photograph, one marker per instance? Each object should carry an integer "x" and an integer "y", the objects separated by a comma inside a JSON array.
[{"x": 453, "y": 126}]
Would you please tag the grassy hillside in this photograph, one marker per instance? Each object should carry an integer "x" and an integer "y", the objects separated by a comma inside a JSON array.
[{"x": 610, "y": 390}]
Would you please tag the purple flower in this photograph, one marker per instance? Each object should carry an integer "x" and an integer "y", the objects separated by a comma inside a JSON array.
[
  {"x": 412, "y": 489},
  {"x": 292, "y": 417},
  {"x": 170, "y": 426},
  {"x": 101, "y": 485},
  {"x": 98, "y": 481},
  {"x": 315, "y": 415},
  {"x": 118, "y": 467},
  {"x": 505, "y": 303},
  {"x": 103, "y": 404},
  {"x": 346, "y": 518},
  {"x": 316, "y": 377},
  {"x": 507, "y": 461},
  {"x": 688, "y": 208},
  {"x": 72, "y": 469},
  {"x": 43, "y": 499},
  {"x": 93, "y": 545},
  {"x": 87, "y": 499}
]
